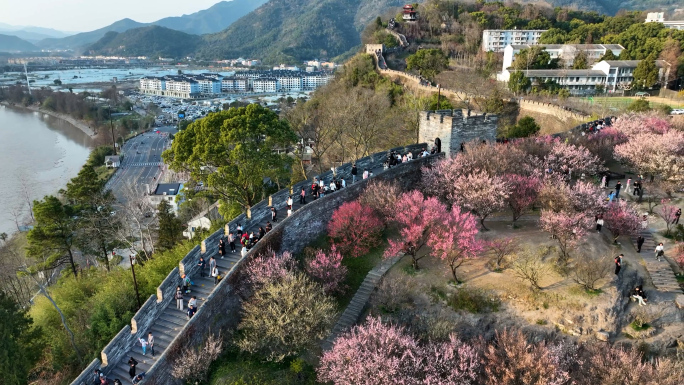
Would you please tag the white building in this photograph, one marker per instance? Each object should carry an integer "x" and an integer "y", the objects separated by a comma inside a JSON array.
[
  {"x": 313, "y": 80},
  {"x": 495, "y": 40},
  {"x": 112, "y": 161},
  {"x": 289, "y": 83},
  {"x": 612, "y": 75},
  {"x": 167, "y": 192},
  {"x": 566, "y": 53},
  {"x": 152, "y": 83},
  {"x": 265, "y": 85},
  {"x": 659, "y": 17}
]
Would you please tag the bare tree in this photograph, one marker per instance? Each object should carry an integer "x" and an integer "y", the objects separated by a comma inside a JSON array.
[
  {"x": 502, "y": 248},
  {"x": 193, "y": 364},
  {"x": 530, "y": 267},
  {"x": 139, "y": 222},
  {"x": 589, "y": 270}
]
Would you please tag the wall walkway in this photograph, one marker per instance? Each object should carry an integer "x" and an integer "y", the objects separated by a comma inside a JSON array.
[{"x": 219, "y": 306}]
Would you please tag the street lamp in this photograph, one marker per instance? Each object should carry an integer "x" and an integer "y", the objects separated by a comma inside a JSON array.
[{"x": 135, "y": 282}]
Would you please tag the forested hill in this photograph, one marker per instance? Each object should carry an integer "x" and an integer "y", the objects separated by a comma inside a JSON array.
[
  {"x": 151, "y": 41},
  {"x": 292, "y": 30},
  {"x": 611, "y": 7}
]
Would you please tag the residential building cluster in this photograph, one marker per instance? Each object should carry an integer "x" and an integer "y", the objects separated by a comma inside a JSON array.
[
  {"x": 495, "y": 40},
  {"x": 241, "y": 62},
  {"x": 610, "y": 75},
  {"x": 659, "y": 17},
  {"x": 190, "y": 86}
]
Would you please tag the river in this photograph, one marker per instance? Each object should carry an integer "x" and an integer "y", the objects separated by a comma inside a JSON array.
[{"x": 38, "y": 156}]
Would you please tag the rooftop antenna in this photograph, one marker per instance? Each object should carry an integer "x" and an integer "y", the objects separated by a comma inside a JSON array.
[{"x": 28, "y": 83}]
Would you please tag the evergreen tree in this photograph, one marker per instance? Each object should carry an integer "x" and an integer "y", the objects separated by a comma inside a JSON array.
[
  {"x": 52, "y": 239},
  {"x": 170, "y": 227},
  {"x": 518, "y": 82},
  {"x": 646, "y": 73},
  {"x": 581, "y": 61},
  {"x": 20, "y": 345}
]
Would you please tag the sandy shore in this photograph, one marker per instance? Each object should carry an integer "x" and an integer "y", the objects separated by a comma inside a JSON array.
[{"x": 80, "y": 124}]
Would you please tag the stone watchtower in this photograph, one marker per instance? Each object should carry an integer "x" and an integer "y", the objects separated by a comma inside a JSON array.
[{"x": 450, "y": 128}]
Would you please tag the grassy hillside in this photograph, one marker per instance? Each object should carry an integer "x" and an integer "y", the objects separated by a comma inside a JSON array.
[
  {"x": 14, "y": 44},
  {"x": 211, "y": 20},
  {"x": 611, "y": 7},
  {"x": 292, "y": 30},
  {"x": 147, "y": 41}
]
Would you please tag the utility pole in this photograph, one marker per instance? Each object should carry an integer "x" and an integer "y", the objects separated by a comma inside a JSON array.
[
  {"x": 111, "y": 126},
  {"x": 135, "y": 282}
]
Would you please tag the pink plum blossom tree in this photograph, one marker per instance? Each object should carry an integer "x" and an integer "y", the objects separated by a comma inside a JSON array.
[
  {"x": 479, "y": 193},
  {"x": 327, "y": 269},
  {"x": 566, "y": 227},
  {"x": 656, "y": 154},
  {"x": 457, "y": 242},
  {"x": 450, "y": 363},
  {"x": 419, "y": 220},
  {"x": 565, "y": 157},
  {"x": 371, "y": 354},
  {"x": 269, "y": 267},
  {"x": 621, "y": 218},
  {"x": 524, "y": 191},
  {"x": 667, "y": 212},
  {"x": 355, "y": 229}
]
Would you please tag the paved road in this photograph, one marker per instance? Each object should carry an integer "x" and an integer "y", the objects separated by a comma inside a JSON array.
[{"x": 142, "y": 162}]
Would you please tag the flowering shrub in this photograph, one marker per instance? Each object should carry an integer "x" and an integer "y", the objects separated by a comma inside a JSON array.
[
  {"x": 355, "y": 229},
  {"x": 327, "y": 269}
]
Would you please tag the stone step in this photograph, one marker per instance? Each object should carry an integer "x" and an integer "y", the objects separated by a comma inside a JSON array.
[
  {"x": 163, "y": 331},
  {"x": 120, "y": 373},
  {"x": 173, "y": 319},
  {"x": 175, "y": 327}
]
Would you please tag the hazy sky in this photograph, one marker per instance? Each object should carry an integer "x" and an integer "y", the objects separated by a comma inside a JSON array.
[{"x": 87, "y": 15}]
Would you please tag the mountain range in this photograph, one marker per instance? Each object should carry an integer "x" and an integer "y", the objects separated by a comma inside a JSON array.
[
  {"x": 214, "y": 19},
  {"x": 9, "y": 43}
]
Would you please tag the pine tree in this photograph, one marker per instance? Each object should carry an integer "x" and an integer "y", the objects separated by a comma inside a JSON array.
[{"x": 170, "y": 227}]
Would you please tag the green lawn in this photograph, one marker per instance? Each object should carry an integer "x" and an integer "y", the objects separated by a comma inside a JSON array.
[
  {"x": 104, "y": 173},
  {"x": 235, "y": 368},
  {"x": 622, "y": 102}
]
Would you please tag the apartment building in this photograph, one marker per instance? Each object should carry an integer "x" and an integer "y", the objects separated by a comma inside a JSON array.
[
  {"x": 611, "y": 75},
  {"x": 289, "y": 83},
  {"x": 659, "y": 17},
  {"x": 496, "y": 40},
  {"x": 265, "y": 85},
  {"x": 566, "y": 53}
]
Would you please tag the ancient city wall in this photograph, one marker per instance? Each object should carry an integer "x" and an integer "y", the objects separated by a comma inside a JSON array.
[
  {"x": 453, "y": 127},
  {"x": 221, "y": 311},
  {"x": 208, "y": 314}
]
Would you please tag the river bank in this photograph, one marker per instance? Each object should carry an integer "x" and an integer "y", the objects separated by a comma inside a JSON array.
[{"x": 80, "y": 124}]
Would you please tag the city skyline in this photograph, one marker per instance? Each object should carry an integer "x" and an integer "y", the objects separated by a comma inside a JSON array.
[{"x": 84, "y": 16}]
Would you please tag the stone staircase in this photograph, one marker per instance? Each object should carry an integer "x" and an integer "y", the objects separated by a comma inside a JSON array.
[
  {"x": 353, "y": 311},
  {"x": 660, "y": 271},
  {"x": 169, "y": 324}
]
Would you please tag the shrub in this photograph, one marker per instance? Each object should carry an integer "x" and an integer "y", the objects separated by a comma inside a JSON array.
[
  {"x": 474, "y": 300},
  {"x": 327, "y": 269},
  {"x": 639, "y": 105},
  {"x": 373, "y": 353},
  {"x": 527, "y": 126},
  {"x": 355, "y": 229},
  {"x": 193, "y": 364},
  {"x": 285, "y": 318}
]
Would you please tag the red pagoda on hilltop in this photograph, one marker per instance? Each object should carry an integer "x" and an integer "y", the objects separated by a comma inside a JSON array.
[{"x": 409, "y": 13}]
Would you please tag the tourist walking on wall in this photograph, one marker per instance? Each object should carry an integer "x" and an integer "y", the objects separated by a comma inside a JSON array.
[
  {"x": 290, "y": 202},
  {"x": 365, "y": 174},
  {"x": 239, "y": 230},
  {"x": 231, "y": 241},
  {"x": 274, "y": 214},
  {"x": 678, "y": 214},
  {"x": 269, "y": 227},
  {"x": 222, "y": 248},
  {"x": 354, "y": 172},
  {"x": 644, "y": 223},
  {"x": 618, "y": 264},
  {"x": 202, "y": 265},
  {"x": 599, "y": 223},
  {"x": 143, "y": 344},
  {"x": 212, "y": 264},
  {"x": 627, "y": 186},
  {"x": 150, "y": 341},
  {"x": 603, "y": 182},
  {"x": 640, "y": 242},
  {"x": 215, "y": 273},
  {"x": 179, "y": 298},
  {"x": 618, "y": 186},
  {"x": 302, "y": 197},
  {"x": 132, "y": 363}
]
